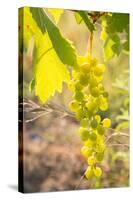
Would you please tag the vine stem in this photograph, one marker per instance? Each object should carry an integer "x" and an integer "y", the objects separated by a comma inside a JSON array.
[{"x": 90, "y": 42}]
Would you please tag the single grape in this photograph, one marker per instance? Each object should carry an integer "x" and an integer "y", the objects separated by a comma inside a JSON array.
[
  {"x": 100, "y": 87},
  {"x": 98, "y": 118},
  {"x": 80, "y": 114},
  {"x": 93, "y": 62},
  {"x": 73, "y": 106},
  {"x": 85, "y": 68},
  {"x": 85, "y": 151},
  {"x": 84, "y": 133},
  {"x": 78, "y": 86},
  {"x": 105, "y": 94},
  {"x": 104, "y": 107},
  {"x": 79, "y": 96},
  {"x": 84, "y": 79},
  {"x": 94, "y": 123},
  {"x": 89, "y": 173},
  {"x": 99, "y": 69},
  {"x": 100, "y": 130},
  {"x": 106, "y": 123},
  {"x": 99, "y": 156},
  {"x": 91, "y": 160},
  {"x": 91, "y": 105},
  {"x": 97, "y": 171},
  {"x": 93, "y": 81},
  {"x": 93, "y": 135},
  {"x": 84, "y": 122},
  {"x": 95, "y": 92},
  {"x": 100, "y": 147},
  {"x": 102, "y": 99}
]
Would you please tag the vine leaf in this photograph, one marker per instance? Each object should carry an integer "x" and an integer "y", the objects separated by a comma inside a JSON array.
[
  {"x": 86, "y": 20},
  {"x": 56, "y": 13},
  {"x": 63, "y": 47},
  {"x": 112, "y": 26},
  {"x": 37, "y": 16},
  {"x": 49, "y": 71}
]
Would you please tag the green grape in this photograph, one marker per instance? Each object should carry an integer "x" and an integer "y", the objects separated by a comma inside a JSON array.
[
  {"x": 100, "y": 87},
  {"x": 78, "y": 86},
  {"x": 95, "y": 92},
  {"x": 79, "y": 96},
  {"x": 73, "y": 106},
  {"x": 105, "y": 94},
  {"x": 89, "y": 173},
  {"x": 85, "y": 68},
  {"x": 89, "y": 114},
  {"x": 89, "y": 143},
  {"x": 100, "y": 147},
  {"x": 85, "y": 151},
  {"x": 93, "y": 81},
  {"x": 84, "y": 133},
  {"x": 102, "y": 99},
  {"x": 91, "y": 105},
  {"x": 84, "y": 79},
  {"x": 104, "y": 107},
  {"x": 106, "y": 123},
  {"x": 93, "y": 135},
  {"x": 91, "y": 161},
  {"x": 99, "y": 156},
  {"x": 98, "y": 118},
  {"x": 80, "y": 113},
  {"x": 99, "y": 69},
  {"x": 84, "y": 122},
  {"x": 94, "y": 123},
  {"x": 97, "y": 171},
  {"x": 93, "y": 62},
  {"x": 100, "y": 130}
]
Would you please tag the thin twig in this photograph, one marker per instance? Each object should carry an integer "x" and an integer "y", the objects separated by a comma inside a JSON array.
[
  {"x": 123, "y": 145},
  {"x": 77, "y": 186},
  {"x": 115, "y": 134}
]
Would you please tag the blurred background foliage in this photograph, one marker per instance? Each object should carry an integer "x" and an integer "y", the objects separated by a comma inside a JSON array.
[{"x": 51, "y": 141}]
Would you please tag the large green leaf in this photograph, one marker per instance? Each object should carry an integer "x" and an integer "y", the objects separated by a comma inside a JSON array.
[
  {"x": 63, "y": 47},
  {"x": 86, "y": 20},
  {"x": 49, "y": 71}
]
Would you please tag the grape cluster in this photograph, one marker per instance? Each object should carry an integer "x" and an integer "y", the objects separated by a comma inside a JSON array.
[{"x": 89, "y": 98}]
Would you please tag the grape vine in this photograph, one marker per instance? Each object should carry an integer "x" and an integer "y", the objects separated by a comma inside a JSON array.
[{"x": 89, "y": 98}]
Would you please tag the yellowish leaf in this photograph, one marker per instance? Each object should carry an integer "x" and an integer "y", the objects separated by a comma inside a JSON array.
[
  {"x": 50, "y": 72},
  {"x": 56, "y": 13}
]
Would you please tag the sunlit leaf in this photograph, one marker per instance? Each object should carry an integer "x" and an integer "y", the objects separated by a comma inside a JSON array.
[
  {"x": 56, "y": 13},
  {"x": 49, "y": 71},
  {"x": 63, "y": 47}
]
